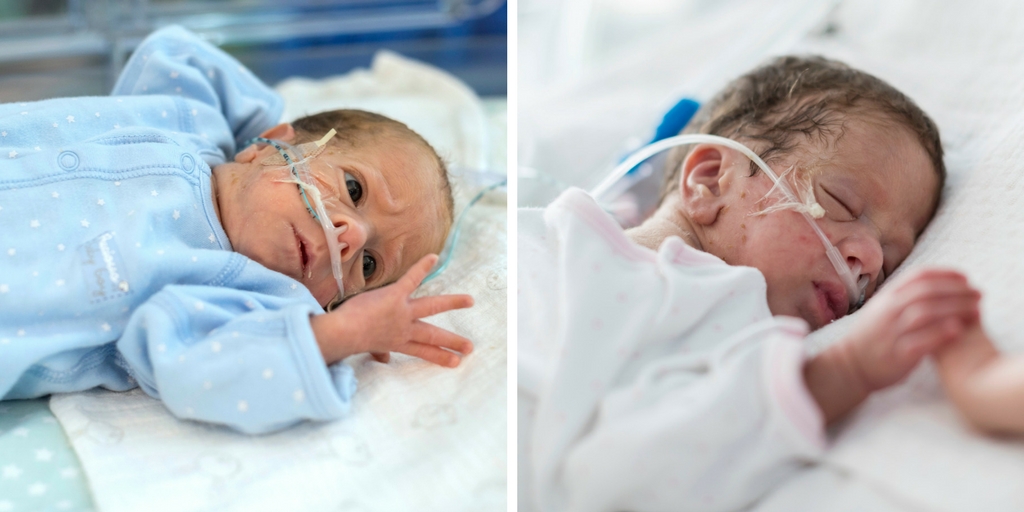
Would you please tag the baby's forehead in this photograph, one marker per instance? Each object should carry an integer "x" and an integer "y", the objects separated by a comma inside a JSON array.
[
  {"x": 884, "y": 162},
  {"x": 858, "y": 139},
  {"x": 403, "y": 174},
  {"x": 394, "y": 158}
]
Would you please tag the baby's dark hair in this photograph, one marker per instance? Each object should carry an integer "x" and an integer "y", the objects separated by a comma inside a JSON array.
[
  {"x": 357, "y": 127},
  {"x": 809, "y": 96}
]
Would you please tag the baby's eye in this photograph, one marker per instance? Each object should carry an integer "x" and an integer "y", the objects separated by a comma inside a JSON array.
[
  {"x": 355, "y": 189},
  {"x": 836, "y": 205},
  {"x": 369, "y": 266}
]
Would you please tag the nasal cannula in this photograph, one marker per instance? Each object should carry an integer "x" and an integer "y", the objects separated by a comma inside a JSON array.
[{"x": 856, "y": 288}]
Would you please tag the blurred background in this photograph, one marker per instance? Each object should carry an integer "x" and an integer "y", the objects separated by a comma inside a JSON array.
[
  {"x": 596, "y": 78},
  {"x": 51, "y": 48}
]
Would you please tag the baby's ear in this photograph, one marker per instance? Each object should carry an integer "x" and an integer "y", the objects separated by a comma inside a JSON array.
[
  {"x": 703, "y": 182},
  {"x": 283, "y": 131},
  {"x": 247, "y": 155}
]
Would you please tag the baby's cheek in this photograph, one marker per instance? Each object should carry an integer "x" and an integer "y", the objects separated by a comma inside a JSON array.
[{"x": 784, "y": 253}]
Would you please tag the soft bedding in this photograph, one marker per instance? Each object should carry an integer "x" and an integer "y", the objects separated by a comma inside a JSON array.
[
  {"x": 38, "y": 469},
  {"x": 963, "y": 63},
  {"x": 420, "y": 437}
]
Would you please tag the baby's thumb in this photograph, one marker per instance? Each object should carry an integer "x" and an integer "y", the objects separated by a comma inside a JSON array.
[{"x": 417, "y": 272}]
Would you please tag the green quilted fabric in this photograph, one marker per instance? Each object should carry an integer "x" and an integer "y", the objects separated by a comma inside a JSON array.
[{"x": 38, "y": 469}]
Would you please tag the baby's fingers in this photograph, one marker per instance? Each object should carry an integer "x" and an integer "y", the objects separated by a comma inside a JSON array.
[
  {"x": 419, "y": 270},
  {"x": 933, "y": 273},
  {"x": 917, "y": 344},
  {"x": 939, "y": 285},
  {"x": 430, "y": 354},
  {"x": 430, "y": 306},
  {"x": 923, "y": 313},
  {"x": 425, "y": 333}
]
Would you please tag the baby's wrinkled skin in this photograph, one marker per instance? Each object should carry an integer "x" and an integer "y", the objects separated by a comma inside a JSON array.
[
  {"x": 879, "y": 190},
  {"x": 392, "y": 228}
]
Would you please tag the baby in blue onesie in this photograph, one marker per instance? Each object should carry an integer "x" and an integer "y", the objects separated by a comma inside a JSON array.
[{"x": 145, "y": 242}]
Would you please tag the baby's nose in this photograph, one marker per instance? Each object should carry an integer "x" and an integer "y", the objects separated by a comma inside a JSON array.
[
  {"x": 351, "y": 235},
  {"x": 865, "y": 259}
]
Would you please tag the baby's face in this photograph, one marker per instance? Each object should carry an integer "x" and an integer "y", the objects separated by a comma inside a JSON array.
[
  {"x": 878, "y": 188},
  {"x": 388, "y": 196}
]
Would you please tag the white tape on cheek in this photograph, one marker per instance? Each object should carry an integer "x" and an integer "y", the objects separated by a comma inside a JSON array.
[
  {"x": 313, "y": 193},
  {"x": 305, "y": 186},
  {"x": 780, "y": 200},
  {"x": 806, "y": 192}
]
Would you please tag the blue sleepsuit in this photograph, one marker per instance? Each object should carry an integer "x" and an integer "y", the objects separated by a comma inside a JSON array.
[{"x": 114, "y": 269}]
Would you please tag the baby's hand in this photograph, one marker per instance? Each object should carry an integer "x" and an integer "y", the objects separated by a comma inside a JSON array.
[
  {"x": 907, "y": 320},
  {"x": 388, "y": 320}
]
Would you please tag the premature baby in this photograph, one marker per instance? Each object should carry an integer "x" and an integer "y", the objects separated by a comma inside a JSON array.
[
  {"x": 137, "y": 252},
  {"x": 663, "y": 367}
]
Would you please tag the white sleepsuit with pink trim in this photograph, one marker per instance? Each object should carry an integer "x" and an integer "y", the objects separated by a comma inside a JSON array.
[{"x": 648, "y": 380}]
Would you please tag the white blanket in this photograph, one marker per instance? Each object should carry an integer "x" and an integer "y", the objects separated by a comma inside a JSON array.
[
  {"x": 963, "y": 62},
  {"x": 420, "y": 437}
]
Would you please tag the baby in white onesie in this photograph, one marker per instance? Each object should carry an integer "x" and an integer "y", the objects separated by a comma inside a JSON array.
[{"x": 662, "y": 368}]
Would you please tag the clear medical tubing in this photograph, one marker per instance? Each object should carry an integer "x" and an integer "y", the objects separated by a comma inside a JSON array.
[
  {"x": 299, "y": 165},
  {"x": 297, "y": 159},
  {"x": 453, "y": 238},
  {"x": 855, "y": 288}
]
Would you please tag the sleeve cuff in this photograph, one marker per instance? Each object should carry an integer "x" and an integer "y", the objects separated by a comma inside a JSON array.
[
  {"x": 329, "y": 390},
  {"x": 784, "y": 362}
]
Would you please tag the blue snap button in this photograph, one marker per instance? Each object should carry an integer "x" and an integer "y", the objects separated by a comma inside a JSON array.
[
  {"x": 188, "y": 163},
  {"x": 67, "y": 160}
]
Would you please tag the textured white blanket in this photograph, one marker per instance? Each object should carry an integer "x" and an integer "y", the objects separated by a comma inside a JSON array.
[{"x": 420, "y": 437}]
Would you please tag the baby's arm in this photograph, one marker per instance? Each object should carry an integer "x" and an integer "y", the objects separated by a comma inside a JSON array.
[
  {"x": 904, "y": 322},
  {"x": 244, "y": 353},
  {"x": 387, "y": 320},
  {"x": 987, "y": 389},
  {"x": 215, "y": 87}
]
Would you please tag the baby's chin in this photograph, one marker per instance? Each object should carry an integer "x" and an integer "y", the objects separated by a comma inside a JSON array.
[
  {"x": 812, "y": 322},
  {"x": 803, "y": 313}
]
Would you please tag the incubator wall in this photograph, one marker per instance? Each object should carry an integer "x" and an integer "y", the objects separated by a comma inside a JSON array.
[{"x": 53, "y": 48}]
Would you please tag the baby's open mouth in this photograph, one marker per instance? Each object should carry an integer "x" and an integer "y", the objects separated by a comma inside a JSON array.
[
  {"x": 832, "y": 307},
  {"x": 303, "y": 255},
  {"x": 831, "y": 299}
]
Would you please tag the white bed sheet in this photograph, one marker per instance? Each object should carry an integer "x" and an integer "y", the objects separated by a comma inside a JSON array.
[
  {"x": 963, "y": 62},
  {"x": 420, "y": 437}
]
